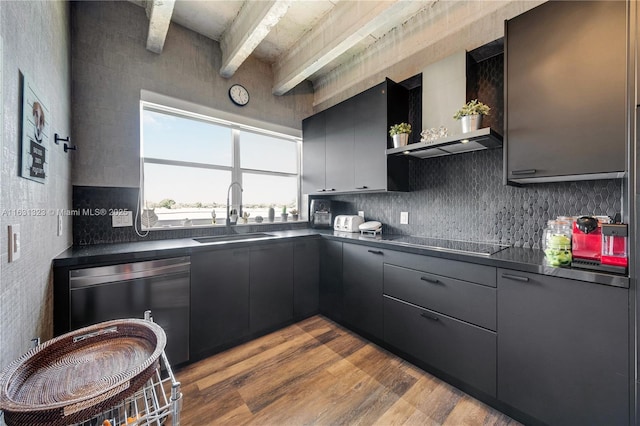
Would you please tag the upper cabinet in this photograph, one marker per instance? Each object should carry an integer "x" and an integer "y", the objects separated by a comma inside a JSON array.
[
  {"x": 565, "y": 92},
  {"x": 344, "y": 147}
]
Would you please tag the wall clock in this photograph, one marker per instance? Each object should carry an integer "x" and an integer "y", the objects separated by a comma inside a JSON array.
[{"x": 239, "y": 95}]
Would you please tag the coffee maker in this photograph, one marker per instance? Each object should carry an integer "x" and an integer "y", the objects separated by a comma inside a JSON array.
[{"x": 320, "y": 213}]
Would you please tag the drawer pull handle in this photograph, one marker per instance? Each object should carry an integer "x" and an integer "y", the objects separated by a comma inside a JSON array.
[
  {"x": 320, "y": 190},
  {"x": 362, "y": 187},
  {"x": 430, "y": 280},
  {"x": 375, "y": 251},
  {"x": 424, "y": 315},
  {"x": 330, "y": 189},
  {"x": 524, "y": 172},
  {"x": 516, "y": 278}
]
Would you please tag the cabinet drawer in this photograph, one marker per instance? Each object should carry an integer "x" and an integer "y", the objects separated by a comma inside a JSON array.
[
  {"x": 480, "y": 274},
  {"x": 456, "y": 348},
  {"x": 460, "y": 299}
]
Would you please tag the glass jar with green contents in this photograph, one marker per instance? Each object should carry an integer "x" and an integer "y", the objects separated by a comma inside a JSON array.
[{"x": 556, "y": 243}]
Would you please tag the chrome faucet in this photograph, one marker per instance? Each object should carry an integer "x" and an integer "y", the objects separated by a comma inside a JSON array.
[{"x": 228, "y": 211}]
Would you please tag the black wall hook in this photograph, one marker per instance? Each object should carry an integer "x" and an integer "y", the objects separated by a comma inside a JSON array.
[
  {"x": 69, "y": 147},
  {"x": 59, "y": 139}
]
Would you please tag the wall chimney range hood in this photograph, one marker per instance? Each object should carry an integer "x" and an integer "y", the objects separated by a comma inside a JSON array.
[{"x": 445, "y": 88}]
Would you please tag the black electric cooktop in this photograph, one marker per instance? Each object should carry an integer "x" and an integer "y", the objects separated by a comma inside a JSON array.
[{"x": 483, "y": 249}]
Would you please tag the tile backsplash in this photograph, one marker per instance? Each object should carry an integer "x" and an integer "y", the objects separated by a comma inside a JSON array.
[
  {"x": 96, "y": 227},
  {"x": 462, "y": 197}
]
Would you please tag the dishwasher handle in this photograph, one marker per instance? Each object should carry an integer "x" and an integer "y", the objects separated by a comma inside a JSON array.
[{"x": 82, "y": 278}]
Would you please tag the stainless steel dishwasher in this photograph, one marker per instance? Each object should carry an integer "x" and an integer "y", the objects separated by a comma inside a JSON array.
[{"x": 127, "y": 290}]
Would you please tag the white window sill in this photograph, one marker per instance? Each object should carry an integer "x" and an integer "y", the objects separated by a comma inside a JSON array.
[{"x": 164, "y": 227}]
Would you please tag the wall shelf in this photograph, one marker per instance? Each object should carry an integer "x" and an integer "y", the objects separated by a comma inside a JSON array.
[{"x": 477, "y": 140}]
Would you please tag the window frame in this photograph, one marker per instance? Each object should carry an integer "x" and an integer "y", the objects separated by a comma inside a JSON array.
[{"x": 235, "y": 168}]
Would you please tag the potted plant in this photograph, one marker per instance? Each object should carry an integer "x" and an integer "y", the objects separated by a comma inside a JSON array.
[
  {"x": 400, "y": 134},
  {"x": 294, "y": 214},
  {"x": 284, "y": 213},
  {"x": 471, "y": 115}
]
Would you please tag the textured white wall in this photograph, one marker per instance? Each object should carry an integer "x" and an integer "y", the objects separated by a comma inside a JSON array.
[
  {"x": 37, "y": 43},
  {"x": 111, "y": 66}
]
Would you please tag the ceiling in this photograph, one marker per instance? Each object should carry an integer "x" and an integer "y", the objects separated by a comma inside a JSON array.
[{"x": 302, "y": 39}]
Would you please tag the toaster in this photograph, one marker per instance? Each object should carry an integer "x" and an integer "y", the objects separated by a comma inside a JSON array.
[{"x": 347, "y": 223}]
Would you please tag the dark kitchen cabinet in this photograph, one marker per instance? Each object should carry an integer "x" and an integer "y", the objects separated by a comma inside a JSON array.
[
  {"x": 563, "y": 349},
  {"x": 306, "y": 277},
  {"x": 362, "y": 288},
  {"x": 331, "y": 279},
  {"x": 370, "y": 122},
  {"x": 455, "y": 348},
  {"x": 565, "y": 91},
  {"x": 349, "y": 153},
  {"x": 463, "y": 300},
  {"x": 271, "y": 286},
  {"x": 313, "y": 173},
  {"x": 219, "y": 300},
  {"x": 339, "y": 135}
]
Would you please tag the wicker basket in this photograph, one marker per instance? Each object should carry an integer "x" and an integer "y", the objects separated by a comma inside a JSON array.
[{"x": 79, "y": 374}]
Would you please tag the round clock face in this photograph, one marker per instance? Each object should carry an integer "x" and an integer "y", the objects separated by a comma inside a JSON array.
[{"x": 239, "y": 95}]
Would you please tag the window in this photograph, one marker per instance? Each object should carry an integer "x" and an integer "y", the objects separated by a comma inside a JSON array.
[{"x": 190, "y": 160}]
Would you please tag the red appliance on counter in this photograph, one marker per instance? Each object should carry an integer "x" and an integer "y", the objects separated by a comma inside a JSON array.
[
  {"x": 586, "y": 240},
  {"x": 599, "y": 245}
]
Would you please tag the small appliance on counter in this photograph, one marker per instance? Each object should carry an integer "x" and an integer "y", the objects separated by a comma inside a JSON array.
[
  {"x": 348, "y": 223},
  {"x": 320, "y": 214},
  {"x": 371, "y": 228},
  {"x": 599, "y": 245},
  {"x": 614, "y": 245}
]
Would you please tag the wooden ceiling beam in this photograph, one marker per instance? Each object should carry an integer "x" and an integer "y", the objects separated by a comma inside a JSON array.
[
  {"x": 248, "y": 29},
  {"x": 159, "y": 13},
  {"x": 348, "y": 23}
]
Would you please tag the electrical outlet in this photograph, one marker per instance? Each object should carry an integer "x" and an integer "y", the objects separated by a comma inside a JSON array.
[
  {"x": 404, "y": 218},
  {"x": 361, "y": 213},
  {"x": 59, "y": 225},
  {"x": 122, "y": 219},
  {"x": 14, "y": 242}
]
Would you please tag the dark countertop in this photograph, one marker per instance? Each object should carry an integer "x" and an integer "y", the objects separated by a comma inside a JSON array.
[{"x": 518, "y": 259}]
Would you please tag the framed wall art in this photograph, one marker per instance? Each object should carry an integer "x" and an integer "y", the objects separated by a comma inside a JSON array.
[{"x": 36, "y": 118}]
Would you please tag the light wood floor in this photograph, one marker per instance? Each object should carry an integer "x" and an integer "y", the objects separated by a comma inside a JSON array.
[{"x": 316, "y": 372}]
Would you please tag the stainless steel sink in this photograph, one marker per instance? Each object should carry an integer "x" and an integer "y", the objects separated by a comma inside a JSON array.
[{"x": 234, "y": 237}]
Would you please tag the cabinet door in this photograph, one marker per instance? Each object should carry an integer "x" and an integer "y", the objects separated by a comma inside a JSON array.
[
  {"x": 565, "y": 98},
  {"x": 370, "y": 139},
  {"x": 271, "y": 289},
  {"x": 339, "y": 143},
  {"x": 313, "y": 154},
  {"x": 563, "y": 349},
  {"x": 331, "y": 279},
  {"x": 219, "y": 299},
  {"x": 306, "y": 278},
  {"x": 456, "y": 348},
  {"x": 362, "y": 283}
]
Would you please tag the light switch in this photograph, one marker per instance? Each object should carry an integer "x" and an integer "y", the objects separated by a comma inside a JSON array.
[
  {"x": 14, "y": 242},
  {"x": 361, "y": 213},
  {"x": 404, "y": 218}
]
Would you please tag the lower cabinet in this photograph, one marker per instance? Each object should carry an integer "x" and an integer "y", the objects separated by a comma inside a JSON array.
[
  {"x": 331, "y": 279},
  {"x": 454, "y": 347},
  {"x": 219, "y": 300},
  {"x": 271, "y": 288},
  {"x": 362, "y": 288},
  {"x": 306, "y": 277},
  {"x": 563, "y": 353}
]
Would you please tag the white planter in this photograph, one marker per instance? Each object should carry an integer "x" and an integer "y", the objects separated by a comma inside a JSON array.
[
  {"x": 471, "y": 123},
  {"x": 400, "y": 140}
]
